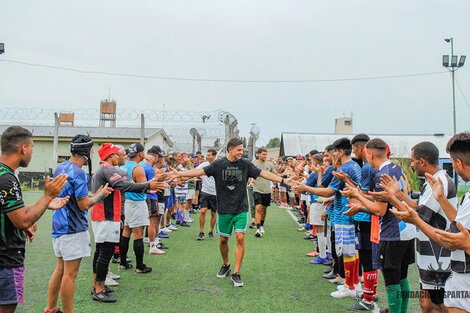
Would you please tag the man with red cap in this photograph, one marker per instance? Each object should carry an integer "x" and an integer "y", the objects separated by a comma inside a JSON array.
[{"x": 106, "y": 215}]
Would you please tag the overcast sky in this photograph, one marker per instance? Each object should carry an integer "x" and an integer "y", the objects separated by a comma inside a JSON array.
[{"x": 244, "y": 40}]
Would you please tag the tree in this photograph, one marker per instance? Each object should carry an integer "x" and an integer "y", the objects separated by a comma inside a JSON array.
[{"x": 274, "y": 143}]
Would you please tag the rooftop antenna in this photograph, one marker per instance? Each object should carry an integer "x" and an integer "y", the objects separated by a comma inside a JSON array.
[{"x": 109, "y": 93}]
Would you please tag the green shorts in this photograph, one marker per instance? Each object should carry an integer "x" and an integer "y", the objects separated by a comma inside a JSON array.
[{"x": 227, "y": 222}]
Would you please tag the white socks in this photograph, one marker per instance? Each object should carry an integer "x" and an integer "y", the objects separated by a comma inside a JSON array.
[{"x": 321, "y": 244}]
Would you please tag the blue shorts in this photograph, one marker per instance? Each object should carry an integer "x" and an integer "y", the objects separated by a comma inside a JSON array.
[
  {"x": 11, "y": 285},
  {"x": 181, "y": 200}
]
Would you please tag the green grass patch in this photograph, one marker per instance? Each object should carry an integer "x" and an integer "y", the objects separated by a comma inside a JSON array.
[{"x": 276, "y": 273}]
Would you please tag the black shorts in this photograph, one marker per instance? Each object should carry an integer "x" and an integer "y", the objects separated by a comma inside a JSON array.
[
  {"x": 262, "y": 198},
  {"x": 395, "y": 254},
  {"x": 198, "y": 185},
  {"x": 208, "y": 201},
  {"x": 153, "y": 207},
  {"x": 436, "y": 295}
]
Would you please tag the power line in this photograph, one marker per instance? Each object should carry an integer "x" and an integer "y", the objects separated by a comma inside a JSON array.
[
  {"x": 69, "y": 69},
  {"x": 461, "y": 92}
]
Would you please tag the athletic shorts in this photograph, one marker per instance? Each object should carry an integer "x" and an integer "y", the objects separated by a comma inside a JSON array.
[
  {"x": 393, "y": 254},
  {"x": 291, "y": 194},
  {"x": 11, "y": 285},
  {"x": 71, "y": 247},
  {"x": 262, "y": 198},
  {"x": 282, "y": 189},
  {"x": 345, "y": 240},
  {"x": 227, "y": 222},
  {"x": 161, "y": 208},
  {"x": 208, "y": 201},
  {"x": 456, "y": 285},
  {"x": 181, "y": 200},
  {"x": 191, "y": 194},
  {"x": 152, "y": 206},
  {"x": 137, "y": 213},
  {"x": 168, "y": 202},
  {"x": 106, "y": 231},
  {"x": 316, "y": 209},
  {"x": 435, "y": 295}
]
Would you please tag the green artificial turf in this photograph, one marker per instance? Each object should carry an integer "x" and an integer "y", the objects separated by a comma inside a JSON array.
[{"x": 276, "y": 273}]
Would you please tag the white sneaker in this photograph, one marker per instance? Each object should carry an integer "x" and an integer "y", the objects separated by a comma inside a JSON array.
[
  {"x": 258, "y": 233},
  {"x": 344, "y": 293},
  {"x": 166, "y": 230},
  {"x": 110, "y": 282},
  {"x": 146, "y": 240},
  {"x": 189, "y": 220},
  {"x": 262, "y": 230},
  {"x": 112, "y": 275},
  {"x": 156, "y": 251},
  {"x": 171, "y": 227},
  {"x": 338, "y": 280}
]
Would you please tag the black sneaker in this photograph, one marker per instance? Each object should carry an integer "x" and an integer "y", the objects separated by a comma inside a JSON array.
[
  {"x": 145, "y": 270},
  {"x": 224, "y": 271},
  {"x": 161, "y": 246},
  {"x": 103, "y": 297},
  {"x": 236, "y": 280},
  {"x": 329, "y": 269},
  {"x": 184, "y": 224},
  {"x": 252, "y": 225},
  {"x": 200, "y": 236},
  {"x": 105, "y": 290},
  {"x": 116, "y": 259},
  {"x": 362, "y": 306},
  {"x": 211, "y": 235},
  {"x": 329, "y": 275},
  {"x": 126, "y": 266},
  {"x": 360, "y": 297}
]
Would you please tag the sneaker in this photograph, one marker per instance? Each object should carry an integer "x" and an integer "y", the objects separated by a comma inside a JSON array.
[
  {"x": 343, "y": 293},
  {"x": 172, "y": 227},
  {"x": 252, "y": 225},
  {"x": 125, "y": 267},
  {"x": 189, "y": 220},
  {"x": 309, "y": 236},
  {"x": 338, "y": 280},
  {"x": 184, "y": 224},
  {"x": 329, "y": 269},
  {"x": 258, "y": 233},
  {"x": 301, "y": 229},
  {"x": 329, "y": 256},
  {"x": 362, "y": 306},
  {"x": 224, "y": 271},
  {"x": 112, "y": 275},
  {"x": 110, "y": 282},
  {"x": 330, "y": 275},
  {"x": 319, "y": 260},
  {"x": 236, "y": 280},
  {"x": 211, "y": 235},
  {"x": 105, "y": 290},
  {"x": 312, "y": 254},
  {"x": 163, "y": 235},
  {"x": 146, "y": 240},
  {"x": 200, "y": 236},
  {"x": 103, "y": 297},
  {"x": 145, "y": 270},
  {"x": 166, "y": 230},
  {"x": 156, "y": 251},
  {"x": 262, "y": 229},
  {"x": 116, "y": 259},
  {"x": 360, "y": 297},
  {"x": 161, "y": 246}
]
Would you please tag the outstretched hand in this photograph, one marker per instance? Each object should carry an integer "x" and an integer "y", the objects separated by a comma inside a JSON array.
[
  {"x": 52, "y": 188},
  {"x": 342, "y": 176},
  {"x": 389, "y": 184},
  {"x": 405, "y": 213},
  {"x": 436, "y": 185},
  {"x": 452, "y": 241},
  {"x": 104, "y": 191},
  {"x": 58, "y": 203},
  {"x": 351, "y": 191}
]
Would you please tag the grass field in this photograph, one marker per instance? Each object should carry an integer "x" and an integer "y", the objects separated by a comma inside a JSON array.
[{"x": 277, "y": 275}]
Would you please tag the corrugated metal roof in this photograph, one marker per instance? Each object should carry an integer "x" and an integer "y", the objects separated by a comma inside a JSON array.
[
  {"x": 94, "y": 132},
  {"x": 293, "y": 144}
]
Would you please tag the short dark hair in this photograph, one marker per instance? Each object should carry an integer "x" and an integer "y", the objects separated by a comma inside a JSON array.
[
  {"x": 428, "y": 151},
  {"x": 212, "y": 151},
  {"x": 377, "y": 144},
  {"x": 313, "y": 152},
  {"x": 318, "y": 157},
  {"x": 233, "y": 142},
  {"x": 343, "y": 144},
  {"x": 198, "y": 152},
  {"x": 328, "y": 148},
  {"x": 13, "y": 137},
  {"x": 458, "y": 147},
  {"x": 261, "y": 150},
  {"x": 360, "y": 140},
  {"x": 171, "y": 160}
]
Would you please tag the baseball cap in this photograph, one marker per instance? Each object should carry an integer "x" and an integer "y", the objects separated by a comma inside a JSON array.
[
  {"x": 134, "y": 149},
  {"x": 193, "y": 155},
  {"x": 299, "y": 157},
  {"x": 106, "y": 150},
  {"x": 158, "y": 151}
]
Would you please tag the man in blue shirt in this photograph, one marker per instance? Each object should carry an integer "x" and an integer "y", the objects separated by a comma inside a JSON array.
[{"x": 71, "y": 240}]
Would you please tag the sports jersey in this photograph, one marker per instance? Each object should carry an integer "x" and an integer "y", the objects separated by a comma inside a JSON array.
[
  {"x": 208, "y": 183},
  {"x": 260, "y": 184},
  {"x": 181, "y": 191},
  {"x": 353, "y": 170},
  {"x": 149, "y": 174},
  {"x": 12, "y": 239},
  {"x": 434, "y": 260},
  {"x": 327, "y": 176},
  {"x": 70, "y": 219},
  {"x": 459, "y": 260},
  {"x": 391, "y": 228},
  {"x": 368, "y": 174},
  {"x": 129, "y": 167},
  {"x": 312, "y": 182}
]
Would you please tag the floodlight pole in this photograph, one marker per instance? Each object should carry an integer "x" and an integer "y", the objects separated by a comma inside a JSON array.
[{"x": 452, "y": 70}]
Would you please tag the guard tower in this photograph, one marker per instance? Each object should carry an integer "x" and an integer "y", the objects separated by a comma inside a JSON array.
[
  {"x": 66, "y": 119},
  {"x": 344, "y": 125},
  {"x": 108, "y": 113}
]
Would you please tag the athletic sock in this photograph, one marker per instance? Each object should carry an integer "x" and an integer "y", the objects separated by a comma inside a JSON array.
[
  {"x": 394, "y": 298},
  {"x": 349, "y": 265},
  {"x": 405, "y": 290},
  {"x": 314, "y": 230},
  {"x": 262, "y": 223},
  {"x": 258, "y": 226},
  {"x": 139, "y": 253},
  {"x": 356, "y": 270},
  {"x": 123, "y": 248},
  {"x": 321, "y": 245},
  {"x": 369, "y": 284}
]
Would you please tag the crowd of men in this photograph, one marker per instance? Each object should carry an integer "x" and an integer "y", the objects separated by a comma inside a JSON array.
[{"x": 358, "y": 208}]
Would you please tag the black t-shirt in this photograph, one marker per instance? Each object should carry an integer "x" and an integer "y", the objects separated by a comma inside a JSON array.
[
  {"x": 230, "y": 183},
  {"x": 12, "y": 239}
]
